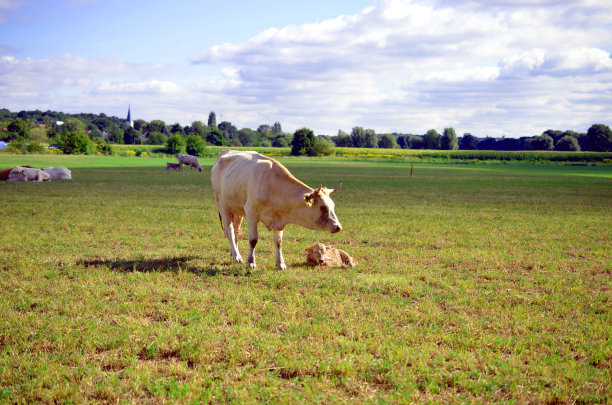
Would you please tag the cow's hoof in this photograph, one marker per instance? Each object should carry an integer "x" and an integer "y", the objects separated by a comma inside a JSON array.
[
  {"x": 251, "y": 266},
  {"x": 281, "y": 266},
  {"x": 238, "y": 260}
]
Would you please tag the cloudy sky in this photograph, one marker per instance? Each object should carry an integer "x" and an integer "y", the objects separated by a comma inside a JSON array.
[{"x": 488, "y": 67}]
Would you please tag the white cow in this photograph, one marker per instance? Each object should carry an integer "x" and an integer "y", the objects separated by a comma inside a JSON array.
[
  {"x": 190, "y": 160},
  {"x": 20, "y": 173},
  {"x": 247, "y": 184},
  {"x": 59, "y": 173}
]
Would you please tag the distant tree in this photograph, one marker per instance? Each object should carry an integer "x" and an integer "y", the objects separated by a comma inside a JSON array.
[
  {"x": 343, "y": 140},
  {"x": 542, "y": 142},
  {"x": 215, "y": 136},
  {"x": 103, "y": 123},
  {"x": 358, "y": 137},
  {"x": 568, "y": 144},
  {"x": 371, "y": 140},
  {"x": 276, "y": 129},
  {"x": 599, "y": 138},
  {"x": 416, "y": 142},
  {"x": 449, "y": 141},
  {"x": 175, "y": 144},
  {"x": 73, "y": 125},
  {"x": 488, "y": 143},
  {"x": 176, "y": 128},
  {"x": 303, "y": 142},
  {"x": 387, "y": 141},
  {"x": 76, "y": 143},
  {"x": 248, "y": 137},
  {"x": 554, "y": 134},
  {"x": 198, "y": 128},
  {"x": 265, "y": 131},
  {"x": 280, "y": 141},
  {"x": 155, "y": 126},
  {"x": 17, "y": 129},
  {"x": 404, "y": 141},
  {"x": 468, "y": 142},
  {"x": 321, "y": 147},
  {"x": 229, "y": 131},
  {"x": 131, "y": 136},
  {"x": 194, "y": 145},
  {"x": 212, "y": 120},
  {"x": 116, "y": 136},
  {"x": 156, "y": 138},
  {"x": 140, "y": 125},
  {"x": 432, "y": 139}
]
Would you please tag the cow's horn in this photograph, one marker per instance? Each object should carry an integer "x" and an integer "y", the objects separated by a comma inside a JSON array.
[{"x": 336, "y": 189}]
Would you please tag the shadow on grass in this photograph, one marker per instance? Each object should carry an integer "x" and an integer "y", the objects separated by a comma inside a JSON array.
[{"x": 189, "y": 264}]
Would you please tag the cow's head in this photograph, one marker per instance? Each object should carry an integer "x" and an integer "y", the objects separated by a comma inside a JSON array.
[{"x": 321, "y": 212}]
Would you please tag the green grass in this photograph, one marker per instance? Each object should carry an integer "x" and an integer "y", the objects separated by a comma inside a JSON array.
[{"x": 474, "y": 283}]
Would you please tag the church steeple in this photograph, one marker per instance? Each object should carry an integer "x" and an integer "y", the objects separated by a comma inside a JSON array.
[{"x": 128, "y": 120}]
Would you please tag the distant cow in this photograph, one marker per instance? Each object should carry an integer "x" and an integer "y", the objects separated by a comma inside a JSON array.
[
  {"x": 247, "y": 184},
  {"x": 20, "y": 173},
  {"x": 59, "y": 173},
  {"x": 174, "y": 166},
  {"x": 4, "y": 173},
  {"x": 190, "y": 160},
  {"x": 321, "y": 255}
]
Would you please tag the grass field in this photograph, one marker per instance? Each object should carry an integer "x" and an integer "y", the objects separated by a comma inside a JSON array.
[{"x": 474, "y": 283}]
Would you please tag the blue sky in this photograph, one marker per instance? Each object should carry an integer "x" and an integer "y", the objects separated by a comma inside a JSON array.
[{"x": 499, "y": 68}]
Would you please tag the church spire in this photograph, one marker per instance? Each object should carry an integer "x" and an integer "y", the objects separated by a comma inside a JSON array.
[{"x": 128, "y": 120}]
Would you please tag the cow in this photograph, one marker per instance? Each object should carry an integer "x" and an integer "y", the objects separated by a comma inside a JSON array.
[
  {"x": 4, "y": 173},
  {"x": 174, "y": 166},
  {"x": 190, "y": 160},
  {"x": 251, "y": 185},
  {"x": 20, "y": 173},
  {"x": 321, "y": 255},
  {"x": 58, "y": 173}
]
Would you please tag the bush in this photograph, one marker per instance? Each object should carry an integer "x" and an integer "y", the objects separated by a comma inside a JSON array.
[
  {"x": 156, "y": 138},
  {"x": 103, "y": 148},
  {"x": 195, "y": 145},
  {"x": 321, "y": 147},
  {"x": 303, "y": 142},
  {"x": 175, "y": 144},
  {"x": 75, "y": 143}
]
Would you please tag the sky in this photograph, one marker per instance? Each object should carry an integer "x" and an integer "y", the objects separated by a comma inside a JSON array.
[{"x": 487, "y": 67}]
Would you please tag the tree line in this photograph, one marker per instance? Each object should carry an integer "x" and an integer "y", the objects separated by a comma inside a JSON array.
[{"x": 84, "y": 133}]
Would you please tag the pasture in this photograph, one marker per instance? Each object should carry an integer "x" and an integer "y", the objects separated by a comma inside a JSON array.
[{"x": 474, "y": 283}]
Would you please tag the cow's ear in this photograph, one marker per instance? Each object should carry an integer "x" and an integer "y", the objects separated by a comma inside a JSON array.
[{"x": 309, "y": 198}]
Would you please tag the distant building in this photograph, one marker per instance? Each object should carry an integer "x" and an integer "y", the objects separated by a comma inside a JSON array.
[{"x": 128, "y": 120}]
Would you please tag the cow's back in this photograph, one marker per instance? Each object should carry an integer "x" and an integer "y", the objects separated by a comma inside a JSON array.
[{"x": 238, "y": 174}]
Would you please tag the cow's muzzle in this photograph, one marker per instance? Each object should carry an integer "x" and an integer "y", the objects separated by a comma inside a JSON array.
[{"x": 336, "y": 228}]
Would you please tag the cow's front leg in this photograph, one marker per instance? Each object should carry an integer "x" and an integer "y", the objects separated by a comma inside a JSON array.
[
  {"x": 253, "y": 237},
  {"x": 278, "y": 241},
  {"x": 228, "y": 227}
]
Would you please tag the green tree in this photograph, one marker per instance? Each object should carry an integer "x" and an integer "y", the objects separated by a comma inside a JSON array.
[
  {"x": 542, "y": 142},
  {"x": 468, "y": 142},
  {"x": 175, "y": 144},
  {"x": 131, "y": 136},
  {"x": 599, "y": 138},
  {"x": 229, "y": 131},
  {"x": 116, "y": 136},
  {"x": 431, "y": 139},
  {"x": 73, "y": 125},
  {"x": 568, "y": 144},
  {"x": 276, "y": 128},
  {"x": 155, "y": 126},
  {"x": 449, "y": 139},
  {"x": 156, "y": 138},
  {"x": 371, "y": 140},
  {"x": 387, "y": 141},
  {"x": 195, "y": 145},
  {"x": 215, "y": 136},
  {"x": 303, "y": 142},
  {"x": 212, "y": 120},
  {"x": 248, "y": 137},
  {"x": 321, "y": 147},
  {"x": 76, "y": 143},
  {"x": 358, "y": 137},
  {"x": 17, "y": 129}
]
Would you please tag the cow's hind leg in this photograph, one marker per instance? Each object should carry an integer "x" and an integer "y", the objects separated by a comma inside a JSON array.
[
  {"x": 278, "y": 241},
  {"x": 253, "y": 238},
  {"x": 228, "y": 228}
]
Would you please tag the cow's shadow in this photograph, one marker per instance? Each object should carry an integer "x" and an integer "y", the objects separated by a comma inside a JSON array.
[{"x": 191, "y": 264}]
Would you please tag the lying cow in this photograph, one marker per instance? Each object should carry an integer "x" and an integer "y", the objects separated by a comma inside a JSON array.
[
  {"x": 321, "y": 255},
  {"x": 174, "y": 166},
  {"x": 58, "y": 173},
  {"x": 190, "y": 160},
  {"x": 20, "y": 173},
  {"x": 247, "y": 184}
]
